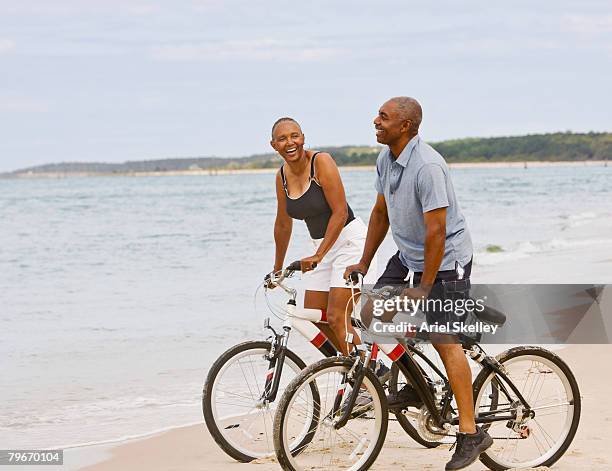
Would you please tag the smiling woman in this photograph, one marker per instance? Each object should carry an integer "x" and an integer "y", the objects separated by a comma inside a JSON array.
[{"x": 308, "y": 187}]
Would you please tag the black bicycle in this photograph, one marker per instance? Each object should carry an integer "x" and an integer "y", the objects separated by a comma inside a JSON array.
[{"x": 526, "y": 398}]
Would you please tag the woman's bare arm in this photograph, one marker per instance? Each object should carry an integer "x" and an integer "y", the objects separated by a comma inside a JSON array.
[
  {"x": 283, "y": 225},
  {"x": 328, "y": 176}
]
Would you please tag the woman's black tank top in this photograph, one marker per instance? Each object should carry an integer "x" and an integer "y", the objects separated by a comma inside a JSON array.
[{"x": 312, "y": 206}]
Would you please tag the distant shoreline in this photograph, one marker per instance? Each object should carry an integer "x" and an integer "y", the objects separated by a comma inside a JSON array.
[
  {"x": 216, "y": 172},
  {"x": 470, "y": 152}
]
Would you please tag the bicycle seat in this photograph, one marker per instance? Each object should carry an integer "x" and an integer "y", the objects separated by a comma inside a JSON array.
[{"x": 490, "y": 315}]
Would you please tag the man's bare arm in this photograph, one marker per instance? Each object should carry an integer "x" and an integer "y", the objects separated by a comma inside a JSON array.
[
  {"x": 435, "y": 238},
  {"x": 377, "y": 229}
]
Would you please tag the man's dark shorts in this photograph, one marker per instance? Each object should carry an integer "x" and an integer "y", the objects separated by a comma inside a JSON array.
[{"x": 447, "y": 286}]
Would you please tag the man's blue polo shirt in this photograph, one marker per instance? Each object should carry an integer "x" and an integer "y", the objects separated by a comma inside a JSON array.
[{"x": 418, "y": 182}]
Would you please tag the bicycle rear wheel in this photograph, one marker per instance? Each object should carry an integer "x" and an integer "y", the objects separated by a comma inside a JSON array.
[
  {"x": 236, "y": 417},
  {"x": 354, "y": 446},
  {"x": 550, "y": 389}
]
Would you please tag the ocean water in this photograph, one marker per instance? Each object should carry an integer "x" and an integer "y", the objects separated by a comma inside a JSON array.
[{"x": 117, "y": 293}]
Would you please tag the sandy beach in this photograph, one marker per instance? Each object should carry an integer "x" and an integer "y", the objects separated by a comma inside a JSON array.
[{"x": 193, "y": 449}]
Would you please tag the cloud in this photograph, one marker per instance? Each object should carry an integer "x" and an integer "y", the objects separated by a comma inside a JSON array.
[
  {"x": 6, "y": 45},
  {"x": 140, "y": 9},
  {"x": 21, "y": 104},
  {"x": 205, "y": 5},
  {"x": 495, "y": 47},
  {"x": 258, "y": 49},
  {"x": 589, "y": 24}
]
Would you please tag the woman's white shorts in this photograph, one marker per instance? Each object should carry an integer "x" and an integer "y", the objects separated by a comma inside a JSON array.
[{"x": 347, "y": 250}]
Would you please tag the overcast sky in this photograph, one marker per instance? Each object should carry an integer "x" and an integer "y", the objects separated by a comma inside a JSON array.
[{"x": 105, "y": 80}]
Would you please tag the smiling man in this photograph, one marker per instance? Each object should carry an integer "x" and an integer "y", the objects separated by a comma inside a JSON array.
[{"x": 417, "y": 200}]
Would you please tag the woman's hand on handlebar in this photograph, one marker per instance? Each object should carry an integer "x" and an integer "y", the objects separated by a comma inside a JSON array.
[
  {"x": 310, "y": 263},
  {"x": 269, "y": 279}
]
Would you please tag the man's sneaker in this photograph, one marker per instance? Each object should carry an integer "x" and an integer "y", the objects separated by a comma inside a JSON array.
[
  {"x": 407, "y": 396},
  {"x": 469, "y": 446},
  {"x": 382, "y": 372},
  {"x": 363, "y": 403}
]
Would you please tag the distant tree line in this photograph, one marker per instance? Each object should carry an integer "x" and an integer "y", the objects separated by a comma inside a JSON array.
[
  {"x": 547, "y": 147},
  {"x": 558, "y": 146}
]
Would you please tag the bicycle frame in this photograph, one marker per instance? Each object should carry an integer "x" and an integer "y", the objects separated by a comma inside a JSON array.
[
  {"x": 304, "y": 323},
  {"x": 414, "y": 373},
  {"x": 403, "y": 357}
]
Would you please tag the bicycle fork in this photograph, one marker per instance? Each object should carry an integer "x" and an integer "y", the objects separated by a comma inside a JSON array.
[
  {"x": 278, "y": 350},
  {"x": 276, "y": 357},
  {"x": 354, "y": 377}
]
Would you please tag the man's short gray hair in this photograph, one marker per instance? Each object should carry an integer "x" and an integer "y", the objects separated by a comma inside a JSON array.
[{"x": 409, "y": 109}]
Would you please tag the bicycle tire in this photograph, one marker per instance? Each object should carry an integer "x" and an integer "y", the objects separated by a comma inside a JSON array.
[
  {"x": 327, "y": 363},
  {"x": 533, "y": 351},
  {"x": 207, "y": 410}
]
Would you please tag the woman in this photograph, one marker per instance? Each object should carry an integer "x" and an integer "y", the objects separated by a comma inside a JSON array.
[{"x": 308, "y": 187}]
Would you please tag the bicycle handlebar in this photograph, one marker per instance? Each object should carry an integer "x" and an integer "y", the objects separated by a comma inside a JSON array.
[
  {"x": 297, "y": 266},
  {"x": 278, "y": 277}
]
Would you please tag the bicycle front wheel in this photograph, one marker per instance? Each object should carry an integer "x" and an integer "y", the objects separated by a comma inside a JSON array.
[
  {"x": 236, "y": 417},
  {"x": 537, "y": 436},
  {"x": 354, "y": 446}
]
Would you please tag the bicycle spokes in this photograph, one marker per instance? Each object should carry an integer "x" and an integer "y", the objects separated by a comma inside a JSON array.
[
  {"x": 329, "y": 446},
  {"x": 527, "y": 436}
]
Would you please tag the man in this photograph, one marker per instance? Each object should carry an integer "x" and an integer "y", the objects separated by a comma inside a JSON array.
[{"x": 417, "y": 200}]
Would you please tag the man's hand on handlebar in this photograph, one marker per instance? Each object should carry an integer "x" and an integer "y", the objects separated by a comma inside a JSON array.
[
  {"x": 352, "y": 271},
  {"x": 419, "y": 292}
]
